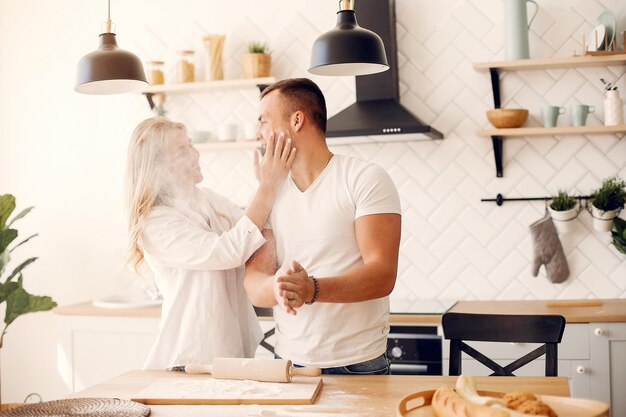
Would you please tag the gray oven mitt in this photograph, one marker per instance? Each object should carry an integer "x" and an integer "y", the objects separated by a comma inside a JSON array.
[{"x": 548, "y": 250}]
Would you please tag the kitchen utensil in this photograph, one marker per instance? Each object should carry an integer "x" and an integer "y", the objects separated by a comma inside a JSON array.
[
  {"x": 507, "y": 118},
  {"x": 268, "y": 370},
  {"x": 550, "y": 114},
  {"x": 120, "y": 301},
  {"x": 227, "y": 132},
  {"x": 418, "y": 404},
  {"x": 196, "y": 389},
  {"x": 596, "y": 39},
  {"x": 620, "y": 27},
  {"x": 199, "y": 136},
  {"x": 516, "y": 28},
  {"x": 580, "y": 113},
  {"x": 607, "y": 19}
]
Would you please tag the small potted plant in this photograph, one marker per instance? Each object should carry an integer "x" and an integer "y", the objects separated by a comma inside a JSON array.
[
  {"x": 619, "y": 235},
  {"x": 12, "y": 293},
  {"x": 613, "y": 105},
  {"x": 606, "y": 203},
  {"x": 563, "y": 209},
  {"x": 258, "y": 61}
]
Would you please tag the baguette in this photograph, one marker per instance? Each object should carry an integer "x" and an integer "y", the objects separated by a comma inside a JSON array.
[
  {"x": 447, "y": 403},
  {"x": 515, "y": 404},
  {"x": 466, "y": 388}
]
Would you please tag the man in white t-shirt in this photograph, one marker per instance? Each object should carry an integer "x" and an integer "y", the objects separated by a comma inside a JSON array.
[{"x": 332, "y": 253}]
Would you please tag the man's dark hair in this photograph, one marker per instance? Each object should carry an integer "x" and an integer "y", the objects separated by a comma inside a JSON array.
[{"x": 301, "y": 94}]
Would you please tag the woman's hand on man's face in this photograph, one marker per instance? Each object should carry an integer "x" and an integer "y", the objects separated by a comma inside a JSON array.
[{"x": 277, "y": 160}]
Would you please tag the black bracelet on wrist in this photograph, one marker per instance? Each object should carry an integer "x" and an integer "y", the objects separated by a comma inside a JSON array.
[{"x": 315, "y": 292}]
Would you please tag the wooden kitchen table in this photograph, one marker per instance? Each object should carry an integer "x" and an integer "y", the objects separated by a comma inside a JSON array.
[{"x": 374, "y": 395}]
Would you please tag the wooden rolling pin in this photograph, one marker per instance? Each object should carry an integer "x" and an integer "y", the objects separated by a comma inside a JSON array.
[{"x": 264, "y": 370}]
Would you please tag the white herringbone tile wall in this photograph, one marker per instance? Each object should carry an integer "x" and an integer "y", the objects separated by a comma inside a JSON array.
[
  {"x": 453, "y": 246},
  {"x": 64, "y": 153}
]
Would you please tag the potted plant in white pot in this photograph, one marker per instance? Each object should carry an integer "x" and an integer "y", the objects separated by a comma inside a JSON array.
[
  {"x": 606, "y": 203},
  {"x": 12, "y": 293},
  {"x": 563, "y": 209},
  {"x": 257, "y": 62}
]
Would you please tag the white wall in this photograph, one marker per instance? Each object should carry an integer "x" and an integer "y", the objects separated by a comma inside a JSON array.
[{"x": 64, "y": 153}]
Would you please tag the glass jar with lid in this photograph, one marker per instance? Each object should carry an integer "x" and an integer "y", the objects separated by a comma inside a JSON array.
[
  {"x": 185, "y": 73},
  {"x": 154, "y": 72}
]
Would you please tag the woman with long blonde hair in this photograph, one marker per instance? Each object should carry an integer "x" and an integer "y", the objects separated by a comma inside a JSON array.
[{"x": 196, "y": 242}]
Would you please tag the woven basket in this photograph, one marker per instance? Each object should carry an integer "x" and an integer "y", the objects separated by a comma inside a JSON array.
[
  {"x": 257, "y": 65},
  {"x": 92, "y": 407},
  {"x": 9, "y": 406}
]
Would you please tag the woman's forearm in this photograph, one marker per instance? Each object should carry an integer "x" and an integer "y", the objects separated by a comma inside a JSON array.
[{"x": 259, "y": 209}]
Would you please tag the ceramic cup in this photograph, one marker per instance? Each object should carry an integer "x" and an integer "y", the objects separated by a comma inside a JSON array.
[
  {"x": 227, "y": 132},
  {"x": 250, "y": 130},
  {"x": 549, "y": 115},
  {"x": 580, "y": 113}
]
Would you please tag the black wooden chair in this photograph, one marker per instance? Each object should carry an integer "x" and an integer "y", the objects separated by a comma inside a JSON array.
[{"x": 546, "y": 329}]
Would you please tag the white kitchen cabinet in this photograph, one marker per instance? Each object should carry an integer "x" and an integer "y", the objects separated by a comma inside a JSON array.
[
  {"x": 93, "y": 349},
  {"x": 591, "y": 355}
]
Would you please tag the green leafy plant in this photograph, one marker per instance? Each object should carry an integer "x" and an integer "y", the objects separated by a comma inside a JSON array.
[
  {"x": 18, "y": 301},
  {"x": 619, "y": 234},
  {"x": 611, "y": 195},
  {"x": 258, "y": 48},
  {"x": 562, "y": 202}
]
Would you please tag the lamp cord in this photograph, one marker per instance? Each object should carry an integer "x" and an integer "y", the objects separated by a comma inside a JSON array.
[{"x": 108, "y": 24}]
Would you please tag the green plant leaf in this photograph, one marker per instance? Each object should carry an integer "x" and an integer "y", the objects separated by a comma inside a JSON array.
[
  {"x": 6, "y": 237},
  {"x": 620, "y": 225},
  {"x": 24, "y": 241},
  {"x": 7, "y": 205},
  {"x": 7, "y": 289},
  {"x": 620, "y": 247},
  {"x": 19, "y": 216},
  {"x": 20, "y": 302},
  {"x": 19, "y": 268},
  {"x": 5, "y": 257}
]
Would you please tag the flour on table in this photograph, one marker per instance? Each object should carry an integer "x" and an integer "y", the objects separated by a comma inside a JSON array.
[{"x": 210, "y": 388}]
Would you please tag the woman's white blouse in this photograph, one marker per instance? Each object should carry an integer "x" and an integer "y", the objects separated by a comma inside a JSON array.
[{"x": 199, "y": 271}]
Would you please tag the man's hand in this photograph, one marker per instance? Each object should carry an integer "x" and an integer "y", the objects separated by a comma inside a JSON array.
[{"x": 295, "y": 288}]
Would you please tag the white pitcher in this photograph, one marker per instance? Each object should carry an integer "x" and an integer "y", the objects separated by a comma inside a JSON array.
[{"x": 516, "y": 26}]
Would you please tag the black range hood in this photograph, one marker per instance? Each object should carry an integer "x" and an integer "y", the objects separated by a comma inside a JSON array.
[{"x": 377, "y": 110}]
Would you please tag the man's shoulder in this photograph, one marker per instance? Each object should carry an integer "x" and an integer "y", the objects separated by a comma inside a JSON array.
[{"x": 353, "y": 166}]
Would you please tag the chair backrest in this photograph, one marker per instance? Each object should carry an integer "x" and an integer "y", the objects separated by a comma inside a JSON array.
[{"x": 546, "y": 329}]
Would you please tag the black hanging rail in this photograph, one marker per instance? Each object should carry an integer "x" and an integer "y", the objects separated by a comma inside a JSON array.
[{"x": 499, "y": 200}]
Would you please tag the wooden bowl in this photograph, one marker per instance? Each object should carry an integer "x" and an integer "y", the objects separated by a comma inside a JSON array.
[{"x": 507, "y": 118}]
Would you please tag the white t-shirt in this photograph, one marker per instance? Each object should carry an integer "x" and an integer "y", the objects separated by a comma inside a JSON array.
[
  {"x": 199, "y": 271},
  {"x": 316, "y": 228}
]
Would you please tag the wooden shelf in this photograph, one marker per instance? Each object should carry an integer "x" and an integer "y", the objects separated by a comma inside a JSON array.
[
  {"x": 234, "y": 145},
  {"x": 355, "y": 140},
  {"x": 208, "y": 86},
  {"x": 547, "y": 63},
  {"x": 551, "y": 131}
]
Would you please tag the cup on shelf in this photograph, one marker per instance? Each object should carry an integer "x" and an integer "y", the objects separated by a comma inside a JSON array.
[
  {"x": 580, "y": 113},
  {"x": 550, "y": 114},
  {"x": 250, "y": 130},
  {"x": 227, "y": 132}
]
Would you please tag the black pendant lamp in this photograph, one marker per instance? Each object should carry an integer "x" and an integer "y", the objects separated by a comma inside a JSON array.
[
  {"x": 348, "y": 49},
  {"x": 109, "y": 69}
]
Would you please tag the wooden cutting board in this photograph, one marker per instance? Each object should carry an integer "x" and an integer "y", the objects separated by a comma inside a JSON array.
[{"x": 204, "y": 389}]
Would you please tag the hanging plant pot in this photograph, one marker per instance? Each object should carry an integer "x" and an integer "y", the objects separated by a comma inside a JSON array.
[
  {"x": 564, "y": 220},
  {"x": 603, "y": 220}
]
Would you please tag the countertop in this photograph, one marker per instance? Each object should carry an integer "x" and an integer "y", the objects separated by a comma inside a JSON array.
[
  {"x": 574, "y": 311},
  {"x": 373, "y": 395}
]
